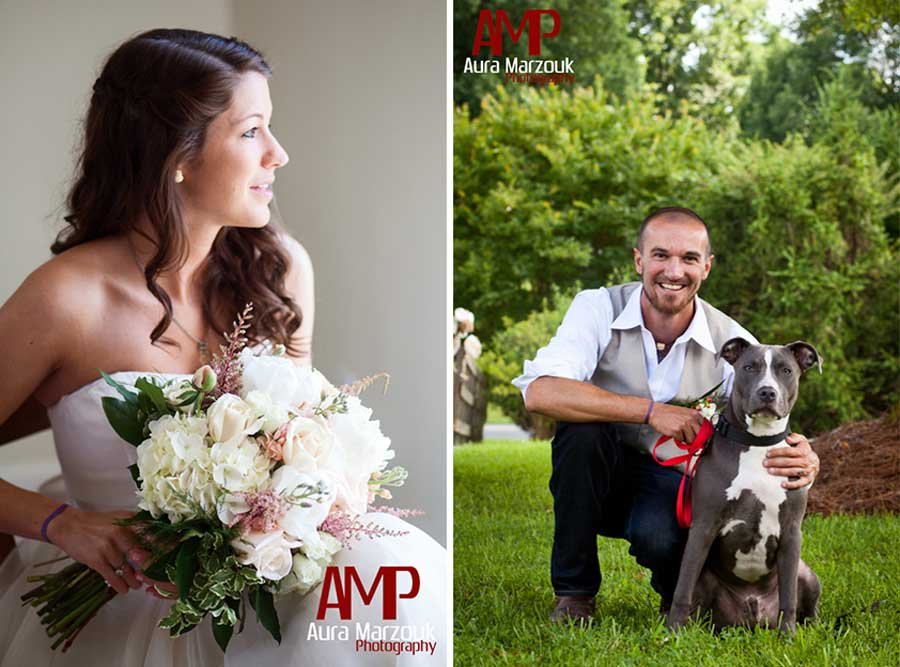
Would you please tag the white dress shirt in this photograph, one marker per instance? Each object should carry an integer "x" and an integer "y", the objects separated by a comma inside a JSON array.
[{"x": 581, "y": 340}]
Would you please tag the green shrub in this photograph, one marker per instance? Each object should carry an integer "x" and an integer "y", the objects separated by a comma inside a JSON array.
[
  {"x": 509, "y": 349},
  {"x": 802, "y": 253}
]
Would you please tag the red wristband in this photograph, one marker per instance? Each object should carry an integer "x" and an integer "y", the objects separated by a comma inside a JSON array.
[{"x": 649, "y": 411}]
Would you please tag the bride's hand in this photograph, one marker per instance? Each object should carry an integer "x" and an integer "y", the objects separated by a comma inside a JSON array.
[
  {"x": 93, "y": 538},
  {"x": 139, "y": 557}
]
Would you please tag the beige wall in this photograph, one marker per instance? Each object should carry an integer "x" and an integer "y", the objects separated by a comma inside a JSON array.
[{"x": 359, "y": 99}]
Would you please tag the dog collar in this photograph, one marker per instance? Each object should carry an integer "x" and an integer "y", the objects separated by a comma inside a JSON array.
[{"x": 739, "y": 435}]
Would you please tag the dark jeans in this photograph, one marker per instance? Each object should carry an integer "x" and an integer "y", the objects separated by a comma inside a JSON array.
[{"x": 601, "y": 486}]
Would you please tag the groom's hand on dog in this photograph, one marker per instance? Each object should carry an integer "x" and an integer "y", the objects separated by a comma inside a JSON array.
[
  {"x": 672, "y": 421},
  {"x": 798, "y": 462}
]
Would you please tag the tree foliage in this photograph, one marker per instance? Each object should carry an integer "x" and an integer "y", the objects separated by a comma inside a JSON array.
[
  {"x": 700, "y": 54},
  {"x": 786, "y": 85}
]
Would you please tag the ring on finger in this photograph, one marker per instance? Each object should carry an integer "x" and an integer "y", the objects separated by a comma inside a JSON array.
[{"x": 119, "y": 571}]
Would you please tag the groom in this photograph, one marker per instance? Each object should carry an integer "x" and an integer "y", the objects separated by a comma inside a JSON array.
[{"x": 620, "y": 354}]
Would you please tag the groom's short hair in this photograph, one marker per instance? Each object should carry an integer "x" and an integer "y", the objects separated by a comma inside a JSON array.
[{"x": 673, "y": 211}]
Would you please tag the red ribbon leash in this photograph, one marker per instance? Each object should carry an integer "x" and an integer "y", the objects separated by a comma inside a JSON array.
[{"x": 691, "y": 456}]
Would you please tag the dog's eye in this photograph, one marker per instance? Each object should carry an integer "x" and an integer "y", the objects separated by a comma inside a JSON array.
[
  {"x": 748, "y": 368},
  {"x": 786, "y": 370}
]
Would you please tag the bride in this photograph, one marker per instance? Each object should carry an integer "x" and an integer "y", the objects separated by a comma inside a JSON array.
[{"x": 167, "y": 239}]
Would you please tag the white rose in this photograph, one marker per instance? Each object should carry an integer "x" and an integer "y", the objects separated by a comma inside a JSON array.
[
  {"x": 268, "y": 553},
  {"x": 286, "y": 383},
  {"x": 231, "y": 419},
  {"x": 308, "y": 443},
  {"x": 273, "y": 414}
]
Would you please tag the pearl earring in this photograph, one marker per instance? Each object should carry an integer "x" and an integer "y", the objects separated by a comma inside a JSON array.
[{"x": 179, "y": 177}]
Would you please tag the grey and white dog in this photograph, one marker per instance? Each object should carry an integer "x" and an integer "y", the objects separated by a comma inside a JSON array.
[{"x": 742, "y": 560}]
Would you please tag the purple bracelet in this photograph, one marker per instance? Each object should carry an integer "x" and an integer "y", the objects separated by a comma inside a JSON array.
[
  {"x": 649, "y": 410},
  {"x": 55, "y": 513}
]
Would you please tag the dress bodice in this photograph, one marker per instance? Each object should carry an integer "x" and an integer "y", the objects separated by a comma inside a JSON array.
[{"x": 94, "y": 460}]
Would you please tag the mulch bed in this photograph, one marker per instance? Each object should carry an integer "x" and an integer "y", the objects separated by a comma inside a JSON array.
[{"x": 860, "y": 468}]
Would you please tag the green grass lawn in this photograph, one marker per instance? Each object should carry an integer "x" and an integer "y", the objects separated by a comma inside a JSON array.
[{"x": 503, "y": 528}]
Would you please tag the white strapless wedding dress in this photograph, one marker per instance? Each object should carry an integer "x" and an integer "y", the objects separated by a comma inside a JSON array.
[{"x": 125, "y": 634}]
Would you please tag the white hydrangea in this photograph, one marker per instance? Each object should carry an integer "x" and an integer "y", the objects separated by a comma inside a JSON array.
[
  {"x": 176, "y": 469},
  {"x": 239, "y": 465}
]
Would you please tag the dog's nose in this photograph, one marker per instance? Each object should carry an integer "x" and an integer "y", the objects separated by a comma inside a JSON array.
[{"x": 766, "y": 394}]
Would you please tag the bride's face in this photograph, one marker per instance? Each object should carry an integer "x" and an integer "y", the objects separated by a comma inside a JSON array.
[{"x": 230, "y": 184}]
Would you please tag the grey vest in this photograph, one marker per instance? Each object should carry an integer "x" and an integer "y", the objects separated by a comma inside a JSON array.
[{"x": 622, "y": 370}]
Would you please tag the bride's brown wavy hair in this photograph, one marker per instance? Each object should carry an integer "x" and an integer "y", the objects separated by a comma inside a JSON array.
[{"x": 150, "y": 109}]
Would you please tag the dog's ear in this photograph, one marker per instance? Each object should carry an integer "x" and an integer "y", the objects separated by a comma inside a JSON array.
[
  {"x": 805, "y": 354},
  {"x": 732, "y": 350}
]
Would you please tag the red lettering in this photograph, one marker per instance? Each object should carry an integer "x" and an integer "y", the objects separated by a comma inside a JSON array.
[
  {"x": 534, "y": 28},
  {"x": 531, "y": 20},
  {"x": 494, "y": 38},
  {"x": 386, "y": 577}
]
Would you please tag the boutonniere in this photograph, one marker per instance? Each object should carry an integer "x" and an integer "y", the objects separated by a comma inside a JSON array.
[{"x": 710, "y": 404}]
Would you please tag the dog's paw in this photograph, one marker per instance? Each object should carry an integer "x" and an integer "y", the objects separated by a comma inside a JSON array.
[
  {"x": 787, "y": 629},
  {"x": 676, "y": 619}
]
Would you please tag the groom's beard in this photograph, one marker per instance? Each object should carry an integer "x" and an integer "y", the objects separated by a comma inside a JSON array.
[{"x": 671, "y": 303}]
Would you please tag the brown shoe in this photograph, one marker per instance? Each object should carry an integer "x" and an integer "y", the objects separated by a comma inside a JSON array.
[{"x": 573, "y": 609}]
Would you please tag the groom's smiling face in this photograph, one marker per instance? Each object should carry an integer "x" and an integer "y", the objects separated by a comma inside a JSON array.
[{"x": 673, "y": 261}]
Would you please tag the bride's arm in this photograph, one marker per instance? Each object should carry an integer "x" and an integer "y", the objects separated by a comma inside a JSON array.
[
  {"x": 300, "y": 287},
  {"x": 40, "y": 324},
  {"x": 36, "y": 324}
]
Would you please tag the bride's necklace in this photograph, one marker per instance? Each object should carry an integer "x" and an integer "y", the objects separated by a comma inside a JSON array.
[{"x": 202, "y": 347}]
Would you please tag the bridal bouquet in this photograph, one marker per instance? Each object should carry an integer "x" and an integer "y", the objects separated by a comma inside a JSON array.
[{"x": 251, "y": 475}]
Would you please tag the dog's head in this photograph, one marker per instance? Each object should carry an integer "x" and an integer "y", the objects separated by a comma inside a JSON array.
[{"x": 766, "y": 377}]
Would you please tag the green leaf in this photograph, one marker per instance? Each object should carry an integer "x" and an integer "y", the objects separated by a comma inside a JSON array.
[
  {"x": 186, "y": 566},
  {"x": 158, "y": 568},
  {"x": 135, "y": 474},
  {"x": 222, "y": 633},
  {"x": 129, "y": 396},
  {"x": 264, "y": 605},
  {"x": 154, "y": 392},
  {"x": 123, "y": 417}
]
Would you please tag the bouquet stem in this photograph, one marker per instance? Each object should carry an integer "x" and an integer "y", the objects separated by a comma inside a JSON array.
[{"x": 67, "y": 600}]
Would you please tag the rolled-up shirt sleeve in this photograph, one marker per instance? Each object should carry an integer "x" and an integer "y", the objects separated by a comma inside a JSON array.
[{"x": 578, "y": 344}]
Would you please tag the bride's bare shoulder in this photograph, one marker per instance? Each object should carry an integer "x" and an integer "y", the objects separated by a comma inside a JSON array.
[{"x": 77, "y": 281}]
